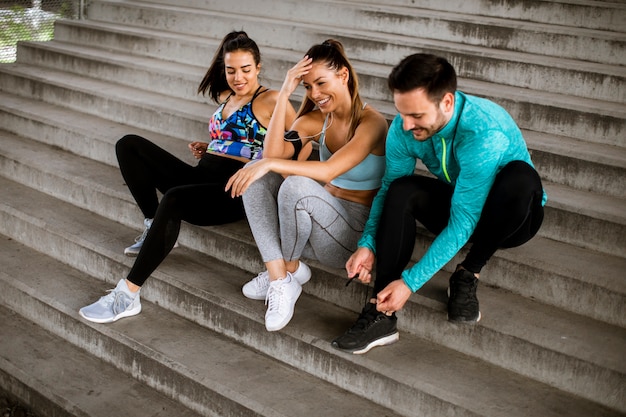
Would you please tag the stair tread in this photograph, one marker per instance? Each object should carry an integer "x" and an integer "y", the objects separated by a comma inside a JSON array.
[
  {"x": 89, "y": 387},
  {"x": 601, "y": 270},
  {"x": 535, "y": 315},
  {"x": 194, "y": 352},
  {"x": 315, "y": 321}
]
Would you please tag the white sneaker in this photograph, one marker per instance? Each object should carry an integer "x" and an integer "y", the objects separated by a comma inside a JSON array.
[
  {"x": 281, "y": 300},
  {"x": 256, "y": 288},
  {"x": 113, "y": 306},
  {"x": 133, "y": 250}
]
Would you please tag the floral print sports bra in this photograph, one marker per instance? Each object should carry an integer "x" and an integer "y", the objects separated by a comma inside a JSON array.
[{"x": 240, "y": 134}]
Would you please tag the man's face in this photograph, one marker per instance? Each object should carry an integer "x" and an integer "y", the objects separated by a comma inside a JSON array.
[{"x": 421, "y": 116}]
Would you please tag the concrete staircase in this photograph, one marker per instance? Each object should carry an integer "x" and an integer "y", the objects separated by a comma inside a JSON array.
[{"x": 553, "y": 338}]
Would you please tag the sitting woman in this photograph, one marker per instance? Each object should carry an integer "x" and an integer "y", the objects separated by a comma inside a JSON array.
[
  {"x": 194, "y": 194},
  {"x": 313, "y": 209}
]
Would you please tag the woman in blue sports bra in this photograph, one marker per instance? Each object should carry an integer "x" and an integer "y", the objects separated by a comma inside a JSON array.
[
  {"x": 311, "y": 208},
  {"x": 194, "y": 194}
]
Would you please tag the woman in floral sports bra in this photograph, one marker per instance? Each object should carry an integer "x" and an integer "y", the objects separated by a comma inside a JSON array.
[
  {"x": 194, "y": 194},
  {"x": 312, "y": 209}
]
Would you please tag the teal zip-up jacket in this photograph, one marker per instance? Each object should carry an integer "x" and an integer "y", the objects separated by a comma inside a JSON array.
[{"x": 478, "y": 141}]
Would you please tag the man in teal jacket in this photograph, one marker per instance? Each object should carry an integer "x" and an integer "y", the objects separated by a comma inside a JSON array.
[{"x": 485, "y": 191}]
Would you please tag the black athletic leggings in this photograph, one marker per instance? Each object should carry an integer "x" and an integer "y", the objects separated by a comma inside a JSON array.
[
  {"x": 511, "y": 216},
  {"x": 194, "y": 194}
]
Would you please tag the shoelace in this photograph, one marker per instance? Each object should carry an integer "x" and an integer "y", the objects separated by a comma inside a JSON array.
[
  {"x": 366, "y": 319},
  {"x": 142, "y": 236},
  {"x": 262, "y": 280},
  {"x": 117, "y": 299},
  {"x": 274, "y": 297},
  {"x": 461, "y": 290}
]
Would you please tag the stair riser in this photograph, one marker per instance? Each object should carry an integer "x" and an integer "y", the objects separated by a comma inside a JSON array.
[
  {"x": 587, "y": 125},
  {"x": 65, "y": 138},
  {"x": 584, "y": 231},
  {"x": 175, "y": 85},
  {"x": 550, "y": 79},
  {"x": 604, "y": 16},
  {"x": 188, "y": 52},
  {"x": 145, "y": 366},
  {"x": 159, "y": 120},
  {"x": 541, "y": 74},
  {"x": 553, "y": 167},
  {"x": 555, "y": 43},
  {"x": 33, "y": 393},
  {"x": 584, "y": 379},
  {"x": 580, "y": 174},
  {"x": 313, "y": 357},
  {"x": 534, "y": 281},
  {"x": 580, "y": 378},
  {"x": 559, "y": 224}
]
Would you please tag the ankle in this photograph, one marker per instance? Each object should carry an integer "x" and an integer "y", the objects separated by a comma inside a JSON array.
[{"x": 132, "y": 287}]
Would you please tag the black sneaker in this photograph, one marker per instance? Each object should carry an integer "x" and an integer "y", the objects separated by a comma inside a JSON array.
[
  {"x": 462, "y": 301},
  {"x": 371, "y": 329}
]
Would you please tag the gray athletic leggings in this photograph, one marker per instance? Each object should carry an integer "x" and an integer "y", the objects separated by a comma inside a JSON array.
[{"x": 297, "y": 217}]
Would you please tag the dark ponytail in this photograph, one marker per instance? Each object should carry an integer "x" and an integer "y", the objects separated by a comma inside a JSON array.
[{"x": 214, "y": 80}]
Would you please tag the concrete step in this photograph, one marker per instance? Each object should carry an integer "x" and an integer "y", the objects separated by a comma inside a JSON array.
[
  {"x": 507, "y": 67},
  {"x": 603, "y": 15},
  {"x": 429, "y": 304},
  {"x": 593, "y": 82},
  {"x": 532, "y": 270},
  {"x": 50, "y": 374},
  {"x": 566, "y": 348},
  {"x": 570, "y": 215},
  {"x": 542, "y": 111},
  {"x": 586, "y": 166},
  {"x": 122, "y": 104},
  {"x": 186, "y": 364},
  {"x": 505, "y": 33}
]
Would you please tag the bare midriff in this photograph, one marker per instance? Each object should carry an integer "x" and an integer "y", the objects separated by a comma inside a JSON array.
[{"x": 364, "y": 197}]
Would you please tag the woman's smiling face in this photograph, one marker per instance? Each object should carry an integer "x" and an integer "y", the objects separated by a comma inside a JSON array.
[
  {"x": 241, "y": 72},
  {"x": 324, "y": 85}
]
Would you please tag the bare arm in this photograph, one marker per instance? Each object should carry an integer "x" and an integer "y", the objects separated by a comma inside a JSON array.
[
  {"x": 284, "y": 114},
  {"x": 369, "y": 136}
]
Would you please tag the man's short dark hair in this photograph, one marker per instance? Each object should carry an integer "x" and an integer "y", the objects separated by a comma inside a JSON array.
[{"x": 431, "y": 72}]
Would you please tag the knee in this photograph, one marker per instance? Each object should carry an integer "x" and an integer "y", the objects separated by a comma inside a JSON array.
[
  {"x": 293, "y": 188},
  {"x": 403, "y": 190},
  {"x": 517, "y": 180},
  {"x": 127, "y": 143},
  {"x": 267, "y": 184}
]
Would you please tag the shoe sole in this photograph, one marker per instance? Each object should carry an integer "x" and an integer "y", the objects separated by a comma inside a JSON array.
[
  {"x": 466, "y": 321},
  {"x": 123, "y": 314},
  {"x": 289, "y": 317},
  {"x": 383, "y": 341}
]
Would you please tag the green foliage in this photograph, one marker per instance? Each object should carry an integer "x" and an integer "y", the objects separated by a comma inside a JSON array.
[{"x": 17, "y": 25}]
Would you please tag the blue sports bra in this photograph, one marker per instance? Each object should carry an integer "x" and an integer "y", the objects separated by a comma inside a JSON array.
[
  {"x": 240, "y": 134},
  {"x": 367, "y": 175}
]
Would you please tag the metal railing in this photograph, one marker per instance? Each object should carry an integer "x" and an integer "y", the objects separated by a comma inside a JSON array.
[{"x": 32, "y": 20}]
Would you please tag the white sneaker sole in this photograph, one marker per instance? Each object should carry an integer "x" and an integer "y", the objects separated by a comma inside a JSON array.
[
  {"x": 383, "y": 341},
  {"x": 127, "y": 313}
]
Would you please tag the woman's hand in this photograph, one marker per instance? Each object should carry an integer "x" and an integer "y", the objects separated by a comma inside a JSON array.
[
  {"x": 295, "y": 74},
  {"x": 198, "y": 149},
  {"x": 241, "y": 180}
]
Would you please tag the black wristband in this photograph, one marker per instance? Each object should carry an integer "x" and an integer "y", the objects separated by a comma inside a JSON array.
[{"x": 292, "y": 137}]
